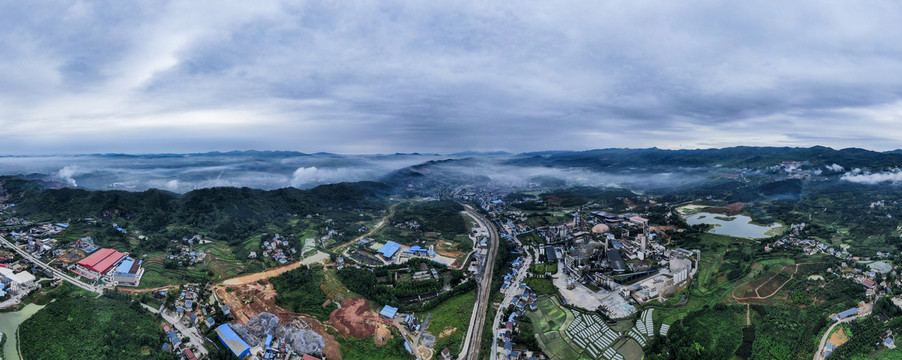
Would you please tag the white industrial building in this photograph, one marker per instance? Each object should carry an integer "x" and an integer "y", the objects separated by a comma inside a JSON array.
[{"x": 17, "y": 281}]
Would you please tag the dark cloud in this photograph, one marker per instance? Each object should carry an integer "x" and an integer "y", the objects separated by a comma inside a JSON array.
[{"x": 375, "y": 76}]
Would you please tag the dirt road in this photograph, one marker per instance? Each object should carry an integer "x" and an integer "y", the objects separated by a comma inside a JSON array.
[
  {"x": 141, "y": 291},
  {"x": 758, "y": 295},
  {"x": 249, "y": 278},
  {"x": 379, "y": 225}
]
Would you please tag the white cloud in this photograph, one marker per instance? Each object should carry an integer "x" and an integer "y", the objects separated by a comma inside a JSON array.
[
  {"x": 369, "y": 76},
  {"x": 835, "y": 168},
  {"x": 893, "y": 176}
]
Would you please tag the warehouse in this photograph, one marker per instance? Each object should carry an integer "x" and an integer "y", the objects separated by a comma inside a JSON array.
[
  {"x": 388, "y": 312},
  {"x": 99, "y": 263},
  {"x": 389, "y": 249},
  {"x": 128, "y": 273},
  {"x": 16, "y": 281},
  {"x": 232, "y": 341}
]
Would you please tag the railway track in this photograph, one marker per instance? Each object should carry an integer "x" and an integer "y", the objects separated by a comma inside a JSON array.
[{"x": 473, "y": 341}]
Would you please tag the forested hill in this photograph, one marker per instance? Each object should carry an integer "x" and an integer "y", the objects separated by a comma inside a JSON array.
[
  {"x": 734, "y": 157},
  {"x": 222, "y": 210}
]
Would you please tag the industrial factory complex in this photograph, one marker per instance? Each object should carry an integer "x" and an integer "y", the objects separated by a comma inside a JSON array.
[{"x": 111, "y": 266}]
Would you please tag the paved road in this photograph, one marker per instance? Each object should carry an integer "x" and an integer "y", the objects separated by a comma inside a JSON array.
[
  {"x": 57, "y": 272},
  {"x": 509, "y": 297},
  {"x": 820, "y": 347},
  {"x": 192, "y": 334},
  {"x": 483, "y": 291}
]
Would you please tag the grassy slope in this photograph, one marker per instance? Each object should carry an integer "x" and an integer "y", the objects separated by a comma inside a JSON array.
[{"x": 454, "y": 313}]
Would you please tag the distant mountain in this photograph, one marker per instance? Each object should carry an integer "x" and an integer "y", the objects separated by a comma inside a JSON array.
[
  {"x": 733, "y": 157},
  {"x": 481, "y": 153}
]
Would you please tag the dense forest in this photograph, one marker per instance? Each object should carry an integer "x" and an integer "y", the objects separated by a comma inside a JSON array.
[
  {"x": 299, "y": 291},
  {"x": 439, "y": 219},
  {"x": 441, "y": 216},
  {"x": 221, "y": 213},
  {"x": 92, "y": 328}
]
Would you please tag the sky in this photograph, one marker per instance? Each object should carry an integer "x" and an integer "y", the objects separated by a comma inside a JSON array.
[{"x": 364, "y": 77}]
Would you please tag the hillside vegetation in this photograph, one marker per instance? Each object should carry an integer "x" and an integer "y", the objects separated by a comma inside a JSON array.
[{"x": 92, "y": 328}]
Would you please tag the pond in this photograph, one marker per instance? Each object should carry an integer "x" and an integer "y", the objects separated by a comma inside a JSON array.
[
  {"x": 8, "y": 324},
  {"x": 737, "y": 225}
]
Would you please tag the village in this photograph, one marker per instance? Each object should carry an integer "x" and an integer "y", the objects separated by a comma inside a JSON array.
[{"x": 602, "y": 266}]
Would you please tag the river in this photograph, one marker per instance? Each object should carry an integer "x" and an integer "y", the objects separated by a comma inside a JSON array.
[
  {"x": 8, "y": 324},
  {"x": 739, "y": 226}
]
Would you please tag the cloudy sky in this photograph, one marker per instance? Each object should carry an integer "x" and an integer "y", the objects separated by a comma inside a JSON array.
[{"x": 445, "y": 76}]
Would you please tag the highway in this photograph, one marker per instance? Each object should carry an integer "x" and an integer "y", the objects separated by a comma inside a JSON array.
[
  {"x": 57, "y": 272},
  {"x": 473, "y": 340},
  {"x": 509, "y": 296}
]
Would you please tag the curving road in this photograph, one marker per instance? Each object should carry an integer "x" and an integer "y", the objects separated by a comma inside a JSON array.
[
  {"x": 55, "y": 271},
  {"x": 473, "y": 340},
  {"x": 820, "y": 347}
]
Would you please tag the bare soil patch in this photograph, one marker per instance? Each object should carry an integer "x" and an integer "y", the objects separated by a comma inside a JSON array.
[
  {"x": 248, "y": 300},
  {"x": 250, "y": 278},
  {"x": 355, "y": 319},
  {"x": 69, "y": 257},
  {"x": 447, "y": 332},
  {"x": 382, "y": 335},
  {"x": 838, "y": 337}
]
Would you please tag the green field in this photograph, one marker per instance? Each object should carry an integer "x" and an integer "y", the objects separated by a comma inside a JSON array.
[
  {"x": 363, "y": 349},
  {"x": 548, "y": 320},
  {"x": 718, "y": 330},
  {"x": 542, "y": 286},
  {"x": 450, "y": 320}
]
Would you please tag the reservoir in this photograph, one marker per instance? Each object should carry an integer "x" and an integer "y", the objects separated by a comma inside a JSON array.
[
  {"x": 9, "y": 322},
  {"x": 737, "y": 225}
]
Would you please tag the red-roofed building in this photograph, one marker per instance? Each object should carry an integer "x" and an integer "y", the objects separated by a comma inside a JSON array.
[
  {"x": 189, "y": 355},
  {"x": 309, "y": 357},
  {"x": 99, "y": 263}
]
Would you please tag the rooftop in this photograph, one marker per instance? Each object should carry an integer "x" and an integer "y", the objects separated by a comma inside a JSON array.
[
  {"x": 389, "y": 249},
  {"x": 389, "y": 311}
]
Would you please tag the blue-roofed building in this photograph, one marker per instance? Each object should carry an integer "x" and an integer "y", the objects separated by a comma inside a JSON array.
[
  {"x": 847, "y": 313},
  {"x": 389, "y": 249},
  {"x": 166, "y": 347},
  {"x": 174, "y": 338},
  {"x": 407, "y": 346},
  {"x": 388, "y": 312},
  {"x": 209, "y": 321},
  {"x": 268, "y": 342},
  {"x": 231, "y": 340},
  {"x": 128, "y": 272},
  {"x": 61, "y": 225}
]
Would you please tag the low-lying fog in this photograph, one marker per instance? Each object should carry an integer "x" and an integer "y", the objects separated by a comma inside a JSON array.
[
  {"x": 182, "y": 173},
  {"x": 271, "y": 170}
]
